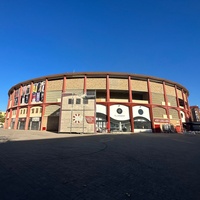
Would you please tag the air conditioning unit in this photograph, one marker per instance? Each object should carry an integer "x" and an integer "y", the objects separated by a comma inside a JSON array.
[{"x": 169, "y": 104}]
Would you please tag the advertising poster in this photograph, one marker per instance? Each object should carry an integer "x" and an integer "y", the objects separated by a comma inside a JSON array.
[
  {"x": 16, "y": 97},
  {"x": 38, "y": 92},
  {"x": 25, "y": 94}
]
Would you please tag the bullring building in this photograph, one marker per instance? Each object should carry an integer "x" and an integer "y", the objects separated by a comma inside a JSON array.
[{"x": 91, "y": 102}]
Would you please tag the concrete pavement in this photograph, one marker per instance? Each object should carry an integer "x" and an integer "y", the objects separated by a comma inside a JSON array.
[{"x": 45, "y": 165}]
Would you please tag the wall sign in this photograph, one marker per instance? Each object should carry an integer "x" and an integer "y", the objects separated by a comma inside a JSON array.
[
  {"x": 161, "y": 120},
  {"x": 89, "y": 119}
]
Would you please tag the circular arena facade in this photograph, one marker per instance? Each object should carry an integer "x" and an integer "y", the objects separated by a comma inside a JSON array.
[{"x": 91, "y": 102}]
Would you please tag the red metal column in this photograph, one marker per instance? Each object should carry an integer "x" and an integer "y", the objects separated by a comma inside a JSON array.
[
  {"x": 166, "y": 101},
  {"x": 178, "y": 106},
  {"x": 44, "y": 105},
  {"x": 63, "y": 91},
  {"x": 11, "y": 110},
  {"x": 186, "y": 109},
  {"x": 64, "y": 84},
  {"x": 17, "y": 111},
  {"x": 13, "y": 98},
  {"x": 107, "y": 102},
  {"x": 186, "y": 95},
  {"x": 150, "y": 105},
  {"x": 19, "y": 100},
  {"x": 85, "y": 84},
  {"x": 130, "y": 101},
  {"x": 9, "y": 119},
  {"x": 16, "y": 118},
  {"x": 29, "y": 107}
]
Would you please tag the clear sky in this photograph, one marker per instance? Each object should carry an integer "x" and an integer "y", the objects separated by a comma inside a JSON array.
[{"x": 151, "y": 37}]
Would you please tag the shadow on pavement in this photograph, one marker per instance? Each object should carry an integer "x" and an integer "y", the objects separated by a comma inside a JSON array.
[{"x": 113, "y": 166}]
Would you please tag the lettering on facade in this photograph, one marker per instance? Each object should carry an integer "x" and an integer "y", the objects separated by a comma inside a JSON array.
[{"x": 161, "y": 120}]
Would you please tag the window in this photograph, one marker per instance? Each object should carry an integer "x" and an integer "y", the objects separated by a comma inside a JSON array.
[
  {"x": 141, "y": 123},
  {"x": 70, "y": 101},
  {"x": 36, "y": 110},
  {"x": 85, "y": 101},
  {"x": 78, "y": 101},
  {"x": 181, "y": 102},
  {"x": 119, "y": 94},
  {"x": 136, "y": 95},
  {"x": 101, "y": 94},
  {"x": 91, "y": 93},
  {"x": 32, "y": 110},
  {"x": 24, "y": 111}
]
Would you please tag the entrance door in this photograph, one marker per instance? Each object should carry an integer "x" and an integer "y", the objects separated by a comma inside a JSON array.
[
  {"x": 52, "y": 123},
  {"x": 100, "y": 126},
  {"x": 21, "y": 125},
  {"x": 35, "y": 125}
]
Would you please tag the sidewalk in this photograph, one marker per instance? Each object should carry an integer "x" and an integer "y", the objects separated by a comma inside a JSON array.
[
  {"x": 44, "y": 165},
  {"x": 20, "y": 135},
  {"x": 16, "y": 135}
]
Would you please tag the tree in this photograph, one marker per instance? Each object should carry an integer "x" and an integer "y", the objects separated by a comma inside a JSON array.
[{"x": 2, "y": 118}]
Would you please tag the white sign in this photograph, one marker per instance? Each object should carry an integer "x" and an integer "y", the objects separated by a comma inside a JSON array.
[
  {"x": 35, "y": 119},
  {"x": 119, "y": 112}
]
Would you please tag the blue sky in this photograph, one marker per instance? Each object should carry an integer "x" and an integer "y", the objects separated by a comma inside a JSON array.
[{"x": 151, "y": 37}]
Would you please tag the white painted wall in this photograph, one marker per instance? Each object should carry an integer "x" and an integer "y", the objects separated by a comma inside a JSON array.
[
  {"x": 145, "y": 112},
  {"x": 101, "y": 109}
]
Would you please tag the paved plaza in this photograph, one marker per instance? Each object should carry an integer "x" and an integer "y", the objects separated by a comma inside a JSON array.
[{"x": 143, "y": 166}]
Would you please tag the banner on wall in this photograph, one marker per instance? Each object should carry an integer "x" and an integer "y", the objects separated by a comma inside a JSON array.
[
  {"x": 25, "y": 94},
  {"x": 16, "y": 97},
  {"x": 37, "y": 93}
]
